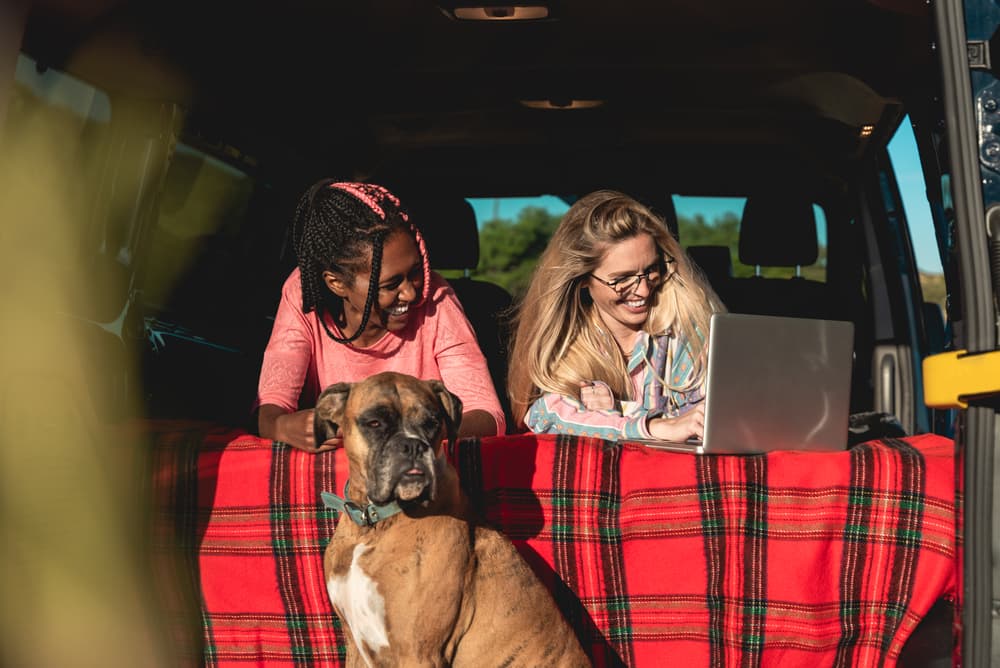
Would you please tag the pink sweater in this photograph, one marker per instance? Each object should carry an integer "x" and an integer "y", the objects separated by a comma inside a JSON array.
[{"x": 437, "y": 343}]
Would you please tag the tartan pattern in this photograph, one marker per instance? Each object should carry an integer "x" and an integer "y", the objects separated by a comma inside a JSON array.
[
  {"x": 748, "y": 549},
  {"x": 780, "y": 559},
  {"x": 865, "y": 529},
  {"x": 174, "y": 558},
  {"x": 959, "y": 587}
]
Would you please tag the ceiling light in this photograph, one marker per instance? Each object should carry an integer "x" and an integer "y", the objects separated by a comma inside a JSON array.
[
  {"x": 867, "y": 130},
  {"x": 562, "y": 104},
  {"x": 502, "y": 13}
]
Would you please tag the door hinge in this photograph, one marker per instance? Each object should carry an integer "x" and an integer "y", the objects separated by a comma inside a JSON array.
[{"x": 979, "y": 54}]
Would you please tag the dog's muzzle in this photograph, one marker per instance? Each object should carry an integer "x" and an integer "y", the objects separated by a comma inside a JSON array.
[{"x": 402, "y": 469}]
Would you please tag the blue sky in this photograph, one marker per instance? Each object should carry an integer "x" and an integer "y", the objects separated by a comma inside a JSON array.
[
  {"x": 906, "y": 164},
  {"x": 902, "y": 150}
]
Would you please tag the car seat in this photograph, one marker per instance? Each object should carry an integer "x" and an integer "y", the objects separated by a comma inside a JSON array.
[
  {"x": 716, "y": 263},
  {"x": 779, "y": 230},
  {"x": 450, "y": 229}
]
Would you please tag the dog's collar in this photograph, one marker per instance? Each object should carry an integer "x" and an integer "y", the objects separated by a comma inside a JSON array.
[{"x": 366, "y": 516}]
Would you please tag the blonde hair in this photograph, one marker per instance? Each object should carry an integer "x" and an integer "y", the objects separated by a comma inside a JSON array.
[{"x": 559, "y": 340}]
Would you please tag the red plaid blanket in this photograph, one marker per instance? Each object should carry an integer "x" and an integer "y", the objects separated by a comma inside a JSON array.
[{"x": 785, "y": 559}]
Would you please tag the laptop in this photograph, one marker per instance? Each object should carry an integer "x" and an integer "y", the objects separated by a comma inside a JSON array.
[{"x": 774, "y": 383}]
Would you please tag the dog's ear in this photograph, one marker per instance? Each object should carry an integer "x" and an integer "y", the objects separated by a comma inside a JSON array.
[
  {"x": 329, "y": 413},
  {"x": 452, "y": 407}
]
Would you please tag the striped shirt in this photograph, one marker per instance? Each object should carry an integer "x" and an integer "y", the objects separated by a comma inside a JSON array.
[{"x": 653, "y": 360}]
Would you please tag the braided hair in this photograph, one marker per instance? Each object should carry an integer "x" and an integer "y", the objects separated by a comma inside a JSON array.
[{"x": 335, "y": 224}]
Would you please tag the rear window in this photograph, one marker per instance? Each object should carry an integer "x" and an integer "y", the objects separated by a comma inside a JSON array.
[{"x": 513, "y": 232}]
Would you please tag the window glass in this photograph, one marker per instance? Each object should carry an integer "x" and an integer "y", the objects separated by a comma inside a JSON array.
[
  {"x": 203, "y": 195},
  {"x": 203, "y": 205},
  {"x": 912, "y": 190},
  {"x": 513, "y": 232},
  {"x": 59, "y": 92},
  {"x": 54, "y": 117}
]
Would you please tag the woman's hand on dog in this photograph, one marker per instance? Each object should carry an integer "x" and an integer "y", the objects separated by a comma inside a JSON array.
[{"x": 296, "y": 429}]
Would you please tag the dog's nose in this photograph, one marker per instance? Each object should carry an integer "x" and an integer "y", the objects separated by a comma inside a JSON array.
[{"x": 412, "y": 447}]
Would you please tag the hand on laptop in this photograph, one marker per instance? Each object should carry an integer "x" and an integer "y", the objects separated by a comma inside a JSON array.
[{"x": 679, "y": 428}]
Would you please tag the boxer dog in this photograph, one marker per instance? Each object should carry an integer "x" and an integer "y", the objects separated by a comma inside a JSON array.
[{"x": 411, "y": 574}]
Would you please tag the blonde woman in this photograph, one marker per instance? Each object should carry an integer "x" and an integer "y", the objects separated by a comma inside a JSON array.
[{"x": 611, "y": 335}]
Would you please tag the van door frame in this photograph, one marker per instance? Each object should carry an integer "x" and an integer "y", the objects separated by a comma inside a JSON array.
[
  {"x": 900, "y": 339},
  {"x": 977, "y": 430}
]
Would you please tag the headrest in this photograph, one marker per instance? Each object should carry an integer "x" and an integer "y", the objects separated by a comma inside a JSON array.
[
  {"x": 661, "y": 204},
  {"x": 714, "y": 261},
  {"x": 778, "y": 231},
  {"x": 450, "y": 230}
]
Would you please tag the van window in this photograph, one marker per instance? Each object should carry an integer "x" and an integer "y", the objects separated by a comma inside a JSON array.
[
  {"x": 513, "y": 232},
  {"x": 38, "y": 88},
  {"x": 203, "y": 206},
  {"x": 912, "y": 190},
  {"x": 56, "y": 113}
]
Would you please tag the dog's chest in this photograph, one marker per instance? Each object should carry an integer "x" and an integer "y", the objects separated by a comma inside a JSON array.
[{"x": 356, "y": 597}]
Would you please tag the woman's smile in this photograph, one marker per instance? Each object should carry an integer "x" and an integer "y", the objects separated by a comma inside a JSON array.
[
  {"x": 398, "y": 311},
  {"x": 635, "y": 305}
]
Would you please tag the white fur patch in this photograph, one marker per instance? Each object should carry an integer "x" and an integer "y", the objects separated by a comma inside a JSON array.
[{"x": 357, "y": 598}]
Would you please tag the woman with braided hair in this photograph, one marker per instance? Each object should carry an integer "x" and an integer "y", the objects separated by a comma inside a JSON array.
[{"x": 364, "y": 300}]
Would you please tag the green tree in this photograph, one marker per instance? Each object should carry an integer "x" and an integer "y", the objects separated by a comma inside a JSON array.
[
  {"x": 723, "y": 231},
  {"x": 509, "y": 250}
]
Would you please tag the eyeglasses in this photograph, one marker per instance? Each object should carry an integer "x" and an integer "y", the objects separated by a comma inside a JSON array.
[{"x": 654, "y": 276}]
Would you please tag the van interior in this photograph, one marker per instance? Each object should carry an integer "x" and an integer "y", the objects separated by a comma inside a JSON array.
[
  {"x": 229, "y": 113},
  {"x": 190, "y": 130}
]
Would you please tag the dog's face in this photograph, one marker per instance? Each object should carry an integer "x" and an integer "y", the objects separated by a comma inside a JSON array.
[{"x": 392, "y": 425}]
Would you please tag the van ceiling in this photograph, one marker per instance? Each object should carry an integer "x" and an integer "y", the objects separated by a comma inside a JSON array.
[{"x": 386, "y": 86}]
